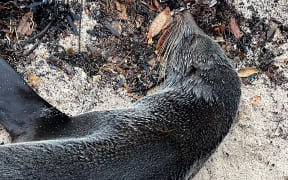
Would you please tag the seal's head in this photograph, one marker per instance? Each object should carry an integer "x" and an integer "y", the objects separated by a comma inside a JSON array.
[{"x": 193, "y": 60}]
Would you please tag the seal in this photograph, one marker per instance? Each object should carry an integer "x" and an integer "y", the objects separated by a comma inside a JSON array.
[
  {"x": 22, "y": 111},
  {"x": 166, "y": 135}
]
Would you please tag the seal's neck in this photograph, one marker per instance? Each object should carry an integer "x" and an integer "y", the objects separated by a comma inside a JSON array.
[{"x": 193, "y": 59}]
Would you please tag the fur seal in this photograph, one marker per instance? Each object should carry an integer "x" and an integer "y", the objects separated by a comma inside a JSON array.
[
  {"x": 22, "y": 111},
  {"x": 166, "y": 135}
]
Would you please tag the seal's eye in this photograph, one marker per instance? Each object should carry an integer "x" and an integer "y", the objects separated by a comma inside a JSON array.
[{"x": 191, "y": 70}]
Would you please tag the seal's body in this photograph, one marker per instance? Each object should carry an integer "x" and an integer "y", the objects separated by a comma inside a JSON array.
[
  {"x": 166, "y": 135},
  {"x": 22, "y": 111}
]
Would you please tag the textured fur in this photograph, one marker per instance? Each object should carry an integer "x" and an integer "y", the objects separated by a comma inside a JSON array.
[{"x": 167, "y": 135}]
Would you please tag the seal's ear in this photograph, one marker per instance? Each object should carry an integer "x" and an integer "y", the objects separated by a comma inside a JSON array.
[
  {"x": 22, "y": 112},
  {"x": 190, "y": 71}
]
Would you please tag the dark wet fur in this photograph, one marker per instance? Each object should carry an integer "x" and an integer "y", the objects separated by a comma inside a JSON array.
[
  {"x": 167, "y": 135},
  {"x": 22, "y": 110}
]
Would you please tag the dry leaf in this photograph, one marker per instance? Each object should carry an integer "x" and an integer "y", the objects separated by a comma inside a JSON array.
[
  {"x": 248, "y": 71},
  {"x": 26, "y": 24},
  {"x": 160, "y": 22},
  {"x": 256, "y": 100},
  {"x": 235, "y": 28},
  {"x": 34, "y": 80}
]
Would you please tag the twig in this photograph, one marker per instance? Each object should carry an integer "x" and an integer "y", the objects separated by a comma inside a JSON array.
[
  {"x": 27, "y": 53},
  {"x": 80, "y": 25}
]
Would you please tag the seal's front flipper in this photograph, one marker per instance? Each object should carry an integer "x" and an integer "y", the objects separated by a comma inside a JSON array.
[{"x": 23, "y": 113}]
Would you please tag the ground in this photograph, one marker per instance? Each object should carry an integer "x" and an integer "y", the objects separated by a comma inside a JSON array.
[{"x": 257, "y": 145}]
